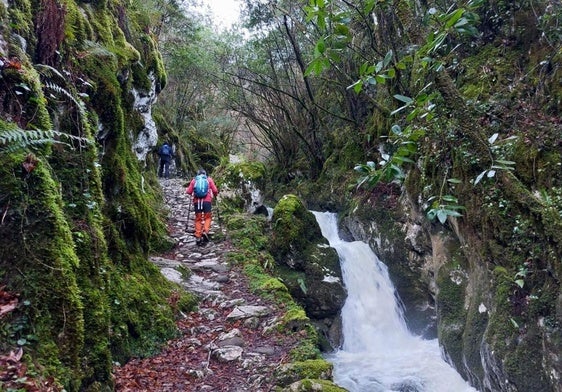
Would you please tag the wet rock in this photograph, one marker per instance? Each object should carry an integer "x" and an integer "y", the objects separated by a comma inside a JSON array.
[
  {"x": 247, "y": 311},
  {"x": 228, "y": 353}
]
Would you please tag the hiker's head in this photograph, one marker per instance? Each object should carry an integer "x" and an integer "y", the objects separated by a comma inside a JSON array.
[{"x": 201, "y": 171}]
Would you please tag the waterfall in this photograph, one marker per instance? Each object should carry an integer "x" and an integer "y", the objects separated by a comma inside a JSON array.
[{"x": 379, "y": 354}]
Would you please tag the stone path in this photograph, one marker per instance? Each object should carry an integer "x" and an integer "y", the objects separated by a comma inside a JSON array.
[{"x": 230, "y": 343}]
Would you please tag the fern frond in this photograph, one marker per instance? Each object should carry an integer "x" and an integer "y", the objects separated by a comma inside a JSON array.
[
  {"x": 60, "y": 90},
  {"x": 49, "y": 71},
  {"x": 15, "y": 139},
  {"x": 72, "y": 137},
  {"x": 52, "y": 73}
]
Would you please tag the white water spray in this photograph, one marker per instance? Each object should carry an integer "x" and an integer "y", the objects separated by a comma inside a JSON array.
[{"x": 379, "y": 354}]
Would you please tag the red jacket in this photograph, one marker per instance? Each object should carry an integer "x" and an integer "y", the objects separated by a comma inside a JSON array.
[{"x": 213, "y": 190}]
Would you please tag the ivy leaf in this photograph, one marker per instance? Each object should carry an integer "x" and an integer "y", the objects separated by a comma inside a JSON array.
[{"x": 387, "y": 58}]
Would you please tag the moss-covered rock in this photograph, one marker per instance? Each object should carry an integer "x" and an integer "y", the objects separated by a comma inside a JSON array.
[
  {"x": 243, "y": 186},
  {"x": 40, "y": 243},
  {"x": 294, "y": 228},
  {"x": 312, "y": 385},
  {"x": 311, "y": 369},
  {"x": 306, "y": 264}
]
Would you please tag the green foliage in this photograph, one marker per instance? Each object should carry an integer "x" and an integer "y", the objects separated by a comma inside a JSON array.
[
  {"x": 520, "y": 276},
  {"x": 335, "y": 21},
  {"x": 403, "y": 142},
  {"x": 442, "y": 207},
  {"x": 497, "y": 164},
  {"x": 13, "y": 139}
]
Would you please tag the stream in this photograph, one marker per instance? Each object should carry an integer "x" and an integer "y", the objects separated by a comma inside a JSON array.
[{"x": 379, "y": 354}]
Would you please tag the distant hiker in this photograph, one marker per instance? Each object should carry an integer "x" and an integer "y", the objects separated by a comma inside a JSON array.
[
  {"x": 165, "y": 152},
  {"x": 203, "y": 189}
]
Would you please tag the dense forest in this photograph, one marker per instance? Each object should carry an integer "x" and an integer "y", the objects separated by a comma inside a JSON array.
[{"x": 433, "y": 128}]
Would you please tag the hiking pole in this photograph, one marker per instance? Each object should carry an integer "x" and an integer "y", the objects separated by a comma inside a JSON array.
[
  {"x": 218, "y": 214},
  {"x": 188, "y": 213}
]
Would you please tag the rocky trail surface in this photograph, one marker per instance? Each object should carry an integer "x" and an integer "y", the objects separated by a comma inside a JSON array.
[{"x": 230, "y": 342}]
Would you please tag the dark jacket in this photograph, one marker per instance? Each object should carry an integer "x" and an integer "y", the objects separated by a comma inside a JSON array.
[{"x": 165, "y": 155}]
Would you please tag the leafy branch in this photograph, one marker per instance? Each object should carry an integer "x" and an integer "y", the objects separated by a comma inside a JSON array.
[{"x": 497, "y": 164}]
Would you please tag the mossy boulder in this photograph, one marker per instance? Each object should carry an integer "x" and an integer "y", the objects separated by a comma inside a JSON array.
[
  {"x": 305, "y": 262},
  {"x": 294, "y": 231},
  {"x": 243, "y": 185},
  {"x": 312, "y": 369},
  {"x": 311, "y": 385}
]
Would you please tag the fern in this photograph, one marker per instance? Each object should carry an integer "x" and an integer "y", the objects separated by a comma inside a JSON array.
[
  {"x": 58, "y": 89},
  {"x": 52, "y": 73},
  {"x": 15, "y": 139}
]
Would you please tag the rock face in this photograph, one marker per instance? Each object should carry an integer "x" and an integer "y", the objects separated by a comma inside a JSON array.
[{"x": 145, "y": 138}]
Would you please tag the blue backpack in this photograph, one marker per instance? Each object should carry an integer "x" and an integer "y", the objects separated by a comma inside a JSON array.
[
  {"x": 201, "y": 186},
  {"x": 165, "y": 150}
]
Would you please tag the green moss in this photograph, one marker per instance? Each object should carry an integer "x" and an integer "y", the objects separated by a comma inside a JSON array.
[
  {"x": 451, "y": 311},
  {"x": 21, "y": 17},
  {"x": 527, "y": 350},
  {"x": 308, "y": 385},
  {"x": 307, "y": 348},
  {"x": 314, "y": 368},
  {"x": 294, "y": 318},
  {"x": 154, "y": 62},
  {"x": 236, "y": 174},
  {"x": 310, "y": 369},
  {"x": 476, "y": 324},
  {"x": 294, "y": 227},
  {"x": 86, "y": 230},
  {"x": 186, "y": 303},
  {"x": 132, "y": 297},
  {"x": 249, "y": 231},
  {"x": 37, "y": 247},
  {"x": 273, "y": 284},
  {"x": 496, "y": 62}
]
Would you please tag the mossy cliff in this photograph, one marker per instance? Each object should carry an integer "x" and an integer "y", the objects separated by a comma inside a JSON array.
[{"x": 79, "y": 215}]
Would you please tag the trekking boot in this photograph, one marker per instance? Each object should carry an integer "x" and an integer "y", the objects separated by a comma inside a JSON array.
[{"x": 198, "y": 241}]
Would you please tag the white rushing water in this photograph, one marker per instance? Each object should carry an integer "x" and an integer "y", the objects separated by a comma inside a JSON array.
[{"x": 379, "y": 354}]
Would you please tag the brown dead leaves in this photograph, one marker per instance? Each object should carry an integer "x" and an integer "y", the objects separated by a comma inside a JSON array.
[{"x": 13, "y": 371}]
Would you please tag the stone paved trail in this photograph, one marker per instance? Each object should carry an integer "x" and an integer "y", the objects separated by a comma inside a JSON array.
[{"x": 230, "y": 342}]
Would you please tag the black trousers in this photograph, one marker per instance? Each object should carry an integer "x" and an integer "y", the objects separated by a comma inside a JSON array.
[{"x": 164, "y": 168}]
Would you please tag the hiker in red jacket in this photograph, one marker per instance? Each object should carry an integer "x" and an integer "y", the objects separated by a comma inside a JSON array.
[{"x": 203, "y": 189}]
